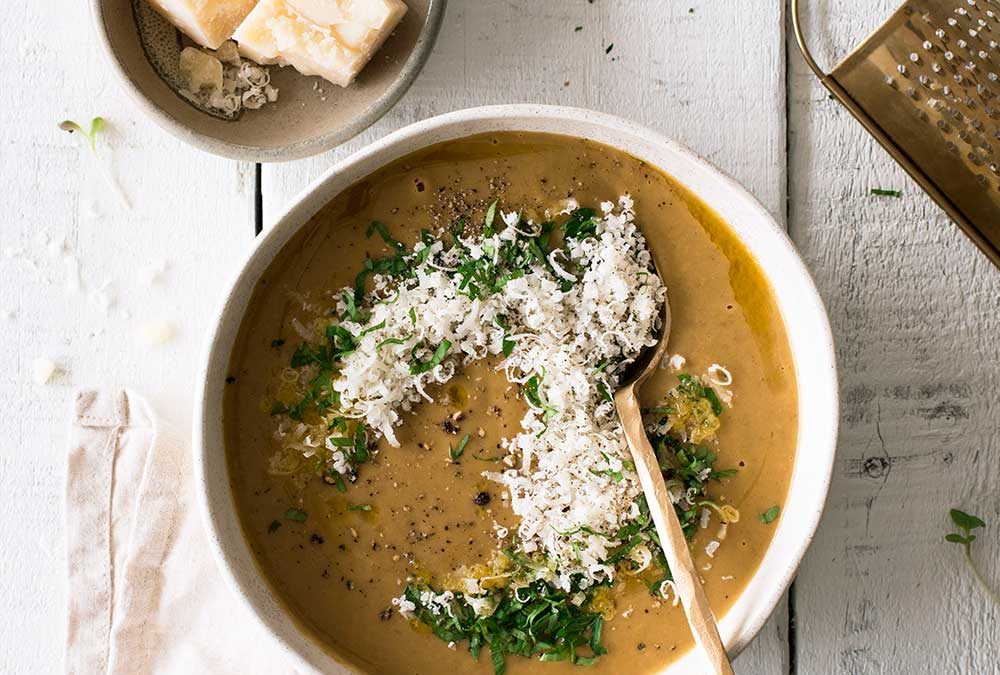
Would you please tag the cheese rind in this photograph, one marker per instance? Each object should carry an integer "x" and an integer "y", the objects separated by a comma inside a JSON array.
[
  {"x": 207, "y": 22},
  {"x": 299, "y": 33}
]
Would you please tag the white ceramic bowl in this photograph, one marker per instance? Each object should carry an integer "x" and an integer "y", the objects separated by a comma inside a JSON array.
[{"x": 801, "y": 308}]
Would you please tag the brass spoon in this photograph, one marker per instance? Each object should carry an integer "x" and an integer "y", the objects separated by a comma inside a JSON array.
[{"x": 675, "y": 546}]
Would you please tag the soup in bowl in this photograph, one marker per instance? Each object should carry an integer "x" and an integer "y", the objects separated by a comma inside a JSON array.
[{"x": 406, "y": 444}]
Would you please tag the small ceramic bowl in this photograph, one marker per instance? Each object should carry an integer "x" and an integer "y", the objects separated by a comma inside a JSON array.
[
  {"x": 801, "y": 309},
  {"x": 310, "y": 116}
]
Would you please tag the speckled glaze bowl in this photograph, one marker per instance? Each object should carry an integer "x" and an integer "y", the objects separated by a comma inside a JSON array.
[
  {"x": 800, "y": 306},
  {"x": 303, "y": 121}
]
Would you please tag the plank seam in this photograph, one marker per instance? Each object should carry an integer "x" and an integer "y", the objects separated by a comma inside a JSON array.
[{"x": 258, "y": 201}]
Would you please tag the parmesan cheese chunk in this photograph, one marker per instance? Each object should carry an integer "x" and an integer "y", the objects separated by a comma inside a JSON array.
[
  {"x": 330, "y": 38},
  {"x": 207, "y": 22},
  {"x": 201, "y": 70}
]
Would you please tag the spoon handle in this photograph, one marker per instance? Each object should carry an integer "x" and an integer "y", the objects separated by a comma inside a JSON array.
[{"x": 675, "y": 546}]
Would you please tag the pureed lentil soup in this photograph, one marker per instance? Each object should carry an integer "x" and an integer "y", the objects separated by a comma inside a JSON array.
[{"x": 337, "y": 552}]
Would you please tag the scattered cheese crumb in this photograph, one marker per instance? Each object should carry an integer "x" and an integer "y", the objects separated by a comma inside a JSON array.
[
  {"x": 157, "y": 332},
  {"x": 153, "y": 274},
  {"x": 675, "y": 363},
  {"x": 43, "y": 370},
  {"x": 719, "y": 375},
  {"x": 223, "y": 82},
  {"x": 711, "y": 548}
]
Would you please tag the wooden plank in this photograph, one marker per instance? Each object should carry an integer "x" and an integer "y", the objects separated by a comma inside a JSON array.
[
  {"x": 710, "y": 75},
  {"x": 189, "y": 209},
  {"x": 914, "y": 309}
]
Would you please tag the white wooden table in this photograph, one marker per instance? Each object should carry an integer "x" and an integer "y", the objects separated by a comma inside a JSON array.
[{"x": 913, "y": 305}]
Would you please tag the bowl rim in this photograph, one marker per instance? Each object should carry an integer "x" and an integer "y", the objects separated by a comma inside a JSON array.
[
  {"x": 415, "y": 62},
  {"x": 798, "y": 298}
]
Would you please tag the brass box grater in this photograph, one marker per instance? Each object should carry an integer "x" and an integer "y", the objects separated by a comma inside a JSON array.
[{"x": 926, "y": 85}]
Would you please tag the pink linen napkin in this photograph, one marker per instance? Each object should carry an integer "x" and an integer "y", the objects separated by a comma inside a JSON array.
[{"x": 144, "y": 592}]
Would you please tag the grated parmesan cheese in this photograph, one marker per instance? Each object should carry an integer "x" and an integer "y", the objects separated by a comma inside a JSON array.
[{"x": 568, "y": 465}]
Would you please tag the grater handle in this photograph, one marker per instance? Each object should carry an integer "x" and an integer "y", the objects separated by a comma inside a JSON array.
[{"x": 800, "y": 38}]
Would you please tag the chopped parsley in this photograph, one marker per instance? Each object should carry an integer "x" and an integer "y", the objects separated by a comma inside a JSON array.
[
  {"x": 297, "y": 515},
  {"x": 771, "y": 515},
  {"x": 535, "y": 400},
  {"x": 457, "y": 452},
  {"x": 491, "y": 214},
  {"x": 536, "y": 620},
  {"x": 880, "y": 192},
  {"x": 418, "y": 366}
]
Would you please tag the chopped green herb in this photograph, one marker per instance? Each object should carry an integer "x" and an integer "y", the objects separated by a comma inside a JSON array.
[
  {"x": 359, "y": 507},
  {"x": 713, "y": 398},
  {"x": 886, "y": 193},
  {"x": 371, "y": 329},
  {"x": 508, "y": 346},
  {"x": 383, "y": 232},
  {"x": 610, "y": 47},
  {"x": 351, "y": 311},
  {"x": 491, "y": 214},
  {"x": 535, "y": 399},
  {"x": 360, "y": 444},
  {"x": 393, "y": 341},
  {"x": 274, "y": 526},
  {"x": 770, "y": 515},
  {"x": 298, "y": 515},
  {"x": 457, "y": 452},
  {"x": 578, "y": 29},
  {"x": 338, "y": 481},
  {"x": 966, "y": 523},
  {"x": 419, "y": 366},
  {"x": 535, "y": 620}
]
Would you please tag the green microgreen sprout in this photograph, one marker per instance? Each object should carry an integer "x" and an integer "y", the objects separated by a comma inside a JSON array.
[
  {"x": 881, "y": 192},
  {"x": 97, "y": 125},
  {"x": 966, "y": 523}
]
